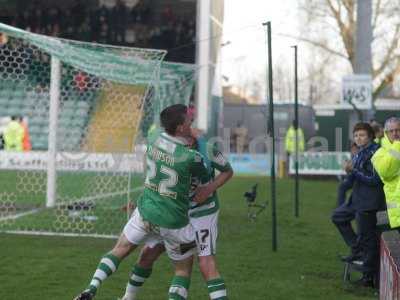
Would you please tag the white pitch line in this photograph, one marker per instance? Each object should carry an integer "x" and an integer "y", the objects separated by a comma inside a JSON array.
[
  {"x": 84, "y": 199},
  {"x": 49, "y": 233},
  {"x": 16, "y": 216},
  {"x": 87, "y": 199},
  {"x": 36, "y": 210}
]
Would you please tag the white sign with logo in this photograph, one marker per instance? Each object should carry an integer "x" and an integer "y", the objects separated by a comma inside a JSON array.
[
  {"x": 320, "y": 163},
  {"x": 94, "y": 162},
  {"x": 357, "y": 89}
]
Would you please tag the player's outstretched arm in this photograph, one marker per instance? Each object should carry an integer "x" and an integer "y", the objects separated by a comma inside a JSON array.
[{"x": 203, "y": 192}]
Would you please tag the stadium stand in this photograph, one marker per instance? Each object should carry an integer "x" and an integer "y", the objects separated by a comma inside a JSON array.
[
  {"x": 163, "y": 26},
  {"x": 74, "y": 114},
  {"x": 160, "y": 25}
]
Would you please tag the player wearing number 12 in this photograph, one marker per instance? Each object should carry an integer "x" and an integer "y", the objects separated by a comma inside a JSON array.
[
  {"x": 162, "y": 211},
  {"x": 204, "y": 219},
  {"x": 168, "y": 182}
]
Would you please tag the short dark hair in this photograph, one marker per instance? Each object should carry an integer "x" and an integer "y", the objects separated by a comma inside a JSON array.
[
  {"x": 366, "y": 127},
  {"x": 173, "y": 116},
  {"x": 376, "y": 127}
]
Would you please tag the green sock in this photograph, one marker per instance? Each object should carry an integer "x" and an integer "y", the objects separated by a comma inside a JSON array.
[
  {"x": 216, "y": 289},
  {"x": 179, "y": 288},
  {"x": 108, "y": 264},
  {"x": 138, "y": 277}
]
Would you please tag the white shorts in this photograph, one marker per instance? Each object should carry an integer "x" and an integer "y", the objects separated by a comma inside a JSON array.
[
  {"x": 206, "y": 231},
  {"x": 179, "y": 243}
]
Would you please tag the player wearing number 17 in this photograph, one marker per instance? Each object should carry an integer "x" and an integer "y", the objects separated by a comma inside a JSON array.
[{"x": 162, "y": 212}]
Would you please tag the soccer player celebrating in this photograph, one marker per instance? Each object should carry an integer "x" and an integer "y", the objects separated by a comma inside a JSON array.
[
  {"x": 162, "y": 210},
  {"x": 204, "y": 218}
]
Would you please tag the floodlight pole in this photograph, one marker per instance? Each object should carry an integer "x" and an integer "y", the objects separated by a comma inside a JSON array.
[
  {"x": 296, "y": 123},
  {"x": 272, "y": 135}
]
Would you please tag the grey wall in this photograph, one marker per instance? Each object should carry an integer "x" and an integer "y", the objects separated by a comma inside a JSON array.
[{"x": 255, "y": 117}]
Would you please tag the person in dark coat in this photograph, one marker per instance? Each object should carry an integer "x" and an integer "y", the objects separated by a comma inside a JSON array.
[
  {"x": 367, "y": 198},
  {"x": 347, "y": 183}
]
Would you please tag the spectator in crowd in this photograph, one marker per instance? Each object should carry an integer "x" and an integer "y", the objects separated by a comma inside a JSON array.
[
  {"x": 290, "y": 142},
  {"x": 104, "y": 34},
  {"x": 119, "y": 16},
  {"x": 83, "y": 32},
  {"x": 13, "y": 135},
  {"x": 347, "y": 183},
  {"x": 290, "y": 139},
  {"x": 68, "y": 31},
  {"x": 53, "y": 16},
  {"x": 79, "y": 13},
  {"x": 240, "y": 134},
  {"x": 140, "y": 13},
  {"x": 367, "y": 199},
  {"x": 387, "y": 163},
  {"x": 168, "y": 14},
  {"x": 1, "y": 141},
  {"x": 38, "y": 20},
  {"x": 26, "y": 141},
  {"x": 55, "y": 30},
  {"x": 378, "y": 129},
  {"x": 155, "y": 38},
  {"x": 130, "y": 35},
  {"x": 112, "y": 26}
]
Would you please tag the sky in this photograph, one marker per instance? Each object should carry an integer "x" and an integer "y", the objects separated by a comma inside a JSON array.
[{"x": 244, "y": 57}]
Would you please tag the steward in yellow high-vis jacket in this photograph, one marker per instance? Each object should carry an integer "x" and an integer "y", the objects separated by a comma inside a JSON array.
[
  {"x": 290, "y": 140},
  {"x": 386, "y": 162},
  {"x": 13, "y": 136}
]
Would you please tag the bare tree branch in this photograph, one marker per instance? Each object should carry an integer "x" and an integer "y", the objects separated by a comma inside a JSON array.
[
  {"x": 333, "y": 10},
  {"x": 315, "y": 43},
  {"x": 389, "y": 78},
  {"x": 389, "y": 54},
  {"x": 377, "y": 14},
  {"x": 349, "y": 5},
  {"x": 342, "y": 15},
  {"x": 346, "y": 32}
]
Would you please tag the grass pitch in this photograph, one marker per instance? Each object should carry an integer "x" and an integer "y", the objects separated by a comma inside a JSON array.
[{"x": 305, "y": 266}]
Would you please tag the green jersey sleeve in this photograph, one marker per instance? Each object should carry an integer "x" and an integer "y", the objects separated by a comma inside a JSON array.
[
  {"x": 198, "y": 167},
  {"x": 218, "y": 160}
]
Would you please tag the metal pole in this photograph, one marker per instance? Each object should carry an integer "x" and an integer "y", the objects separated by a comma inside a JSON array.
[
  {"x": 53, "y": 123},
  {"x": 296, "y": 125},
  {"x": 272, "y": 135},
  {"x": 203, "y": 62}
]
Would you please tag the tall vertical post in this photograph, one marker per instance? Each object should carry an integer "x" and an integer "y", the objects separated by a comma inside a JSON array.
[
  {"x": 363, "y": 55},
  {"x": 296, "y": 127},
  {"x": 364, "y": 37},
  {"x": 203, "y": 62},
  {"x": 53, "y": 123},
  {"x": 272, "y": 135}
]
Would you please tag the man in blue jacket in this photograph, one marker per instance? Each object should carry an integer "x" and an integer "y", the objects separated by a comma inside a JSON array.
[{"x": 367, "y": 199}]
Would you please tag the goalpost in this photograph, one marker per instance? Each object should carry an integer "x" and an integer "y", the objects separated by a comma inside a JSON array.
[{"x": 83, "y": 105}]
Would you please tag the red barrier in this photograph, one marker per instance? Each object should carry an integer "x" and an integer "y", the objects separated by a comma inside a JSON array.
[{"x": 389, "y": 274}]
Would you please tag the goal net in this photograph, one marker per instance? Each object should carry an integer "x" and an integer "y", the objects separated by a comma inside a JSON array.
[{"x": 84, "y": 106}]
